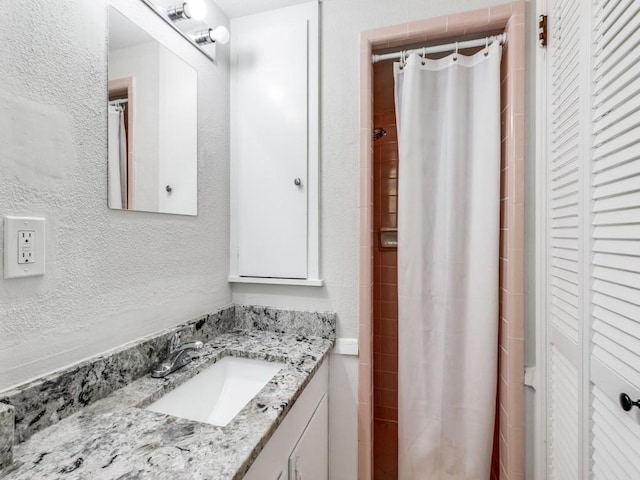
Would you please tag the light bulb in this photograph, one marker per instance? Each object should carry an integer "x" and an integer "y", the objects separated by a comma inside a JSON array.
[
  {"x": 211, "y": 35},
  {"x": 197, "y": 9},
  {"x": 220, "y": 35}
]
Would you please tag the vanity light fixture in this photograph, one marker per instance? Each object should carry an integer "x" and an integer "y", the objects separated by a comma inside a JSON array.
[
  {"x": 193, "y": 9},
  {"x": 179, "y": 12},
  {"x": 186, "y": 16},
  {"x": 219, "y": 34}
]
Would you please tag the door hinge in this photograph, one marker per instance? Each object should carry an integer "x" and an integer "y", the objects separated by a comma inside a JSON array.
[{"x": 542, "y": 30}]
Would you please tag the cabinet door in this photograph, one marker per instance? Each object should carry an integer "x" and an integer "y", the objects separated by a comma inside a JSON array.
[
  {"x": 177, "y": 160},
  {"x": 270, "y": 133},
  {"x": 310, "y": 458}
]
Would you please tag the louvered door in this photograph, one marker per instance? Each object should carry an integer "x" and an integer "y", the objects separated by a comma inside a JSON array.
[
  {"x": 615, "y": 163},
  {"x": 565, "y": 196},
  {"x": 593, "y": 239}
]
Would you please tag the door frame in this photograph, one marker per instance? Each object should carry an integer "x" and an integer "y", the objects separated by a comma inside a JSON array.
[
  {"x": 125, "y": 86},
  {"x": 541, "y": 261},
  {"x": 509, "y": 16}
]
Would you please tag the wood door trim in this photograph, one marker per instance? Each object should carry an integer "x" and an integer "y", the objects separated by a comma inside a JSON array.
[{"x": 122, "y": 86}]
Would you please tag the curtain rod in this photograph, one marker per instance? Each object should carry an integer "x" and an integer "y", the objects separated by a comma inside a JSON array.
[
  {"x": 118, "y": 101},
  {"x": 480, "y": 42}
]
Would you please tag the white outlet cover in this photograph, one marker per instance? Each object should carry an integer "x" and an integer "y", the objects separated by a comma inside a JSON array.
[{"x": 12, "y": 227}]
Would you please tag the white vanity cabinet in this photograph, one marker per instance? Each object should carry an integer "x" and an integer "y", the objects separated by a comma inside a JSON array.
[
  {"x": 310, "y": 460},
  {"x": 299, "y": 449},
  {"x": 274, "y": 147}
]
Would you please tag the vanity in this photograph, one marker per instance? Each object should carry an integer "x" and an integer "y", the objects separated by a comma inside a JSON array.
[{"x": 280, "y": 433}]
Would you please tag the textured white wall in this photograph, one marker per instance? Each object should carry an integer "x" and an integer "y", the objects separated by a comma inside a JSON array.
[
  {"x": 342, "y": 22},
  {"x": 112, "y": 277}
]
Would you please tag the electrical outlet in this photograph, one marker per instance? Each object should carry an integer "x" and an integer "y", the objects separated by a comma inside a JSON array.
[{"x": 24, "y": 247}]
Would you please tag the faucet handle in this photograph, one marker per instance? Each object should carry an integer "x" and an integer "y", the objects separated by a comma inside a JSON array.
[
  {"x": 197, "y": 345},
  {"x": 174, "y": 343}
]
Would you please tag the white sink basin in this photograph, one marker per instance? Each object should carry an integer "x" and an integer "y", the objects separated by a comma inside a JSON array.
[{"x": 218, "y": 393}]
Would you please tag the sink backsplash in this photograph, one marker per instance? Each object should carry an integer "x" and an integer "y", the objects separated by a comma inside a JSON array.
[
  {"x": 312, "y": 324},
  {"x": 45, "y": 401},
  {"x": 6, "y": 434}
]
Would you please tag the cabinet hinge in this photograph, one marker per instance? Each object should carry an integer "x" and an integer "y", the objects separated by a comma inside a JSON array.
[{"x": 542, "y": 30}]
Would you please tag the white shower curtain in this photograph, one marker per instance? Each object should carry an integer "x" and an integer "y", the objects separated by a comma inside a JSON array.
[
  {"x": 448, "y": 117},
  {"x": 117, "y": 164}
]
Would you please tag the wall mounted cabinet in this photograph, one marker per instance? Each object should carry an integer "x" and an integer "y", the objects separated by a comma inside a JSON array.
[{"x": 274, "y": 147}]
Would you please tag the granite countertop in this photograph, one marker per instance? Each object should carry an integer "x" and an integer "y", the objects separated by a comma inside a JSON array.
[{"x": 116, "y": 438}]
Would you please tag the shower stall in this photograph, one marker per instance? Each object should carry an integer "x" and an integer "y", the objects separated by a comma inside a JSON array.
[{"x": 379, "y": 320}]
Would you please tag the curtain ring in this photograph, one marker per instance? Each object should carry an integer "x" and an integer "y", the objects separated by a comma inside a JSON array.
[
  {"x": 424, "y": 55},
  {"x": 455, "y": 55},
  {"x": 486, "y": 47}
]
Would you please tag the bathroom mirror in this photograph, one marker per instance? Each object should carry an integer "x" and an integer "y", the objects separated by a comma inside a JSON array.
[{"x": 152, "y": 123}]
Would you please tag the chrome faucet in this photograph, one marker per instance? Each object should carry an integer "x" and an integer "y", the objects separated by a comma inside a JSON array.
[{"x": 178, "y": 356}]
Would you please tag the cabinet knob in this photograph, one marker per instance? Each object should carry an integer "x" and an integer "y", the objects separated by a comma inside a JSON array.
[
  {"x": 297, "y": 182},
  {"x": 626, "y": 403}
]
